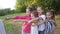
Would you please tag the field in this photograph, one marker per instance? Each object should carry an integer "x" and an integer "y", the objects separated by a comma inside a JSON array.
[{"x": 12, "y": 27}]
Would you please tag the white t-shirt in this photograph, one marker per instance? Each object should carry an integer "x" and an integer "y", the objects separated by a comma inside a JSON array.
[{"x": 42, "y": 26}]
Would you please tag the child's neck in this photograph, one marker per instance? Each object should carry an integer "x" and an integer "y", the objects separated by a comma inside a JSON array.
[
  {"x": 49, "y": 19},
  {"x": 40, "y": 14}
]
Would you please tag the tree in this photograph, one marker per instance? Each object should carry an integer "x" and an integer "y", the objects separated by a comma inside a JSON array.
[{"x": 47, "y": 4}]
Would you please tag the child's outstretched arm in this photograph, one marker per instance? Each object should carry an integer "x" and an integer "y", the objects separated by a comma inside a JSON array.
[
  {"x": 34, "y": 20},
  {"x": 42, "y": 22},
  {"x": 7, "y": 18},
  {"x": 20, "y": 20},
  {"x": 16, "y": 17}
]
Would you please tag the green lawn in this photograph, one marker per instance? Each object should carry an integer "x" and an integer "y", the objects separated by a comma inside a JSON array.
[
  {"x": 10, "y": 26},
  {"x": 15, "y": 27}
]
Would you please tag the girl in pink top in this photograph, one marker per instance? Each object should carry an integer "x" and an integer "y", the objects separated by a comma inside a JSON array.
[{"x": 26, "y": 27}]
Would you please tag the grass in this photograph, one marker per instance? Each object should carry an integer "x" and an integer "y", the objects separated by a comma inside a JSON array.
[
  {"x": 15, "y": 27},
  {"x": 10, "y": 26}
]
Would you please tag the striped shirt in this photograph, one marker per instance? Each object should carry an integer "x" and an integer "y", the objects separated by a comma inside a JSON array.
[{"x": 49, "y": 27}]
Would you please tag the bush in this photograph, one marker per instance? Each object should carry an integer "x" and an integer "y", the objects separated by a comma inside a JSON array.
[
  {"x": 48, "y": 4},
  {"x": 6, "y": 11},
  {"x": 2, "y": 13}
]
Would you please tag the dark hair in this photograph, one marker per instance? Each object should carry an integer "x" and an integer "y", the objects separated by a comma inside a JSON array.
[
  {"x": 52, "y": 13},
  {"x": 35, "y": 13},
  {"x": 41, "y": 7},
  {"x": 31, "y": 8}
]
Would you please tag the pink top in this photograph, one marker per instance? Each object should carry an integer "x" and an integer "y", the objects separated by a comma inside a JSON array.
[{"x": 26, "y": 26}]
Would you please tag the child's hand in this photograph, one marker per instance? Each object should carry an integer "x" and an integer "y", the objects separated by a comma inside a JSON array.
[
  {"x": 33, "y": 25},
  {"x": 15, "y": 21},
  {"x": 7, "y": 18},
  {"x": 29, "y": 21}
]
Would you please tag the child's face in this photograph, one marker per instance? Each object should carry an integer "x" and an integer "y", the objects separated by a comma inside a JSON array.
[
  {"x": 27, "y": 11},
  {"x": 39, "y": 10},
  {"x": 48, "y": 15},
  {"x": 32, "y": 16}
]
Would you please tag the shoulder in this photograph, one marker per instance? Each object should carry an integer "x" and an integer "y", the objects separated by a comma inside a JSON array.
[
  {"x": 43, "y": 15},
  {"x": 52, "y": 20}
]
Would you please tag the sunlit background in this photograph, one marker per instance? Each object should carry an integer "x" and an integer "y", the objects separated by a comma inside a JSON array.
[{"x": 7, "y": 4}]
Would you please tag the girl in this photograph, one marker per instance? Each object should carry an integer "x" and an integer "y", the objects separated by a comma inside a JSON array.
[
  {"x": 34, "y": 27},
  {"x": 41, "y": 28},
  {"x": 26, "y": 26},
  {"x": 2, "y": 29},
  {"x": 50, "y": 24}
]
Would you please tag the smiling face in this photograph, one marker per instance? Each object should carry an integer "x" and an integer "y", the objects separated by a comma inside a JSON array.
[
  {"x": 34, "y": 14},
  {"x": 28, "y": 11},
  {"x": 49, "y": 15},
  {"x": 40, "y": 10}
]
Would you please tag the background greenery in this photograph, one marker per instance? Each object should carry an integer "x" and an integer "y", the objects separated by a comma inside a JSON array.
[
  {"x": 21, "y": 5},
  {"x": 47, "y": 4}
]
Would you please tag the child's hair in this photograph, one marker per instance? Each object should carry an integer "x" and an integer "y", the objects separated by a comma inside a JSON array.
[
  {"x": 41, "y": 7},
  {"x": 31, "y": 8},
  {"x": 35, "y": 13},
  {"x": 52, "y": 13}
]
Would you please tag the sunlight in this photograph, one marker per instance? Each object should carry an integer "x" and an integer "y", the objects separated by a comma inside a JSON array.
[{"x": 7, "y": 4}]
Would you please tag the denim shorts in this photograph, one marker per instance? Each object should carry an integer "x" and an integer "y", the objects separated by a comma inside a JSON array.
[
  {"x": 25, "y": 32},
  {"x": 41, "y": 32}
]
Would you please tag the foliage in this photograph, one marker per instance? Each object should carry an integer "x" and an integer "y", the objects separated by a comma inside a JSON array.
[
  {"x": 47, "y": 4},
  {"x": 6, "y": 11}
]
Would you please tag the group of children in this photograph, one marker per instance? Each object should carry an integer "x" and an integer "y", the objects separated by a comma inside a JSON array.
[{"x": 35, "y": 22}]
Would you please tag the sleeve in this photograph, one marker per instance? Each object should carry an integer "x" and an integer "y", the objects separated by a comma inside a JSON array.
[
  {"x": 19, "y": 17},
  {"x": 2, "y": 29},
  {"x": 43, "y": 17}
]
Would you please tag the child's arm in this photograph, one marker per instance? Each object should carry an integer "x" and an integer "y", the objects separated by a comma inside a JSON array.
[
  {"x": 34, "y": 20},
  {"x": 17, "y": 20},
  {"x": 20, "y": 20},
  {"x": 16, "y": 17},
  {"x": 7, "y": 18},
  {"x": 42, "y": 22}
]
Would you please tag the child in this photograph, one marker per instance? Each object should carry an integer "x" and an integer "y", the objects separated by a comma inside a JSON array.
[
  {"x": 26, "y": 26},
  {"x": 50, "y": 24},
  {"x": 2, "y": 29},
  {"x": 42, "y": 26},
  {"x": 34, "y": 27}
]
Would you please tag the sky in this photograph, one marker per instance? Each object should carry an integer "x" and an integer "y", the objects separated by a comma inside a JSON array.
[{"x": 7, "y": 4}]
